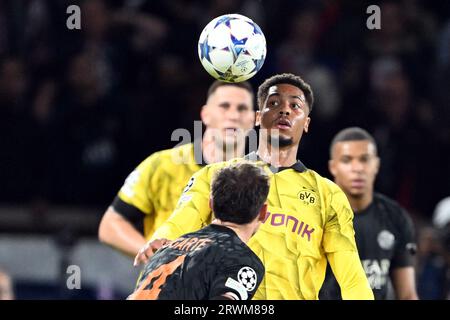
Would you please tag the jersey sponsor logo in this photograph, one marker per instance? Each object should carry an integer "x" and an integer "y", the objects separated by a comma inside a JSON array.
[
  {"x": 280, "y": 220},
  {"x": 248, "y": 278},
  {"x": 308, "y": 197},
  {"x": 386, "y": 239},
  {"x": 377, "y": 272},
  {"x": 130, "y": 183},
  {"x": 237, "y": 286}
]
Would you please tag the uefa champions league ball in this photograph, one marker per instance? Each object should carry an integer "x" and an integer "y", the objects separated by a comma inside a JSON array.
[{"x": 232, "y": 48}]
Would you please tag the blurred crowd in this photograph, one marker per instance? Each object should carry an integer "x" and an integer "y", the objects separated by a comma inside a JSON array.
[{"x": 80, "y": 108}]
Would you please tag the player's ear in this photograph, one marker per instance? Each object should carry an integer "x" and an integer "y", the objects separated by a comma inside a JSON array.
[
  {"x": 332, "y": 167},
  {"x": 262, "y": 213},
  {"x": 253, "y": 116},
  {"x": 211, "y": 204},
  {"x": 205, "y": 115},
  {"x": 377, "y": 165},
  {"x": 306, "y": 127},
  {"x": 258, "y": 118}
]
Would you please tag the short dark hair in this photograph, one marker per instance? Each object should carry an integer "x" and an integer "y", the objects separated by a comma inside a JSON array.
[
  {"x": 352, "y": 134},
  {"x": 216, "y": 84},
  {"x": 286, "y": 78},
  {"x": 238, "y": 192}
]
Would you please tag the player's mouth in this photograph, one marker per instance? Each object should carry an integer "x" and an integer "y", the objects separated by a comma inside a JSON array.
[
  {"x": 358, "y": 183},
  {"x": 283, "y": 124}
]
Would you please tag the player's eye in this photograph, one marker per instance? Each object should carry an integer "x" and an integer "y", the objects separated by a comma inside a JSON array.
[
  {"x": 296, "y": 106},
  {"x": 345, "y": 160},
  {"x": 243, "y": 108},
  {"x": 224, "y": 105},
  {"x": 364, "y": 159},
  {"x": 273, "y": 103}
]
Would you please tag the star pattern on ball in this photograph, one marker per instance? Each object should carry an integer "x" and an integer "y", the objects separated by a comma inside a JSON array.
[{"x": 232, "y": 48}]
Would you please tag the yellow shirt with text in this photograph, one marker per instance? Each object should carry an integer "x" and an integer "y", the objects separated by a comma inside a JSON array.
[{"x": 309, "y": 222}]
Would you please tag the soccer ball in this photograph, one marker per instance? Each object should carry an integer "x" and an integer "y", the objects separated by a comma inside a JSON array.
[{"x": 232, "y": 48}]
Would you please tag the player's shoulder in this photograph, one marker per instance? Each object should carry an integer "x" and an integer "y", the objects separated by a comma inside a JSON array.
[
  {"x": 393, "y": 209},
  {"x": 325, "y": 185},
  {"x": 388, "y": 204},
  {"x": 231, "y": 248},
  {"x": 179, "y": 155}
]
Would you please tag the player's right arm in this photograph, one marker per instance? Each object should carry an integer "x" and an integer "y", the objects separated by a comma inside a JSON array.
[
  {"x": 191, "y": 214},
  {"x": 119, "y": 227},
  {"x": 192, "y": 211},
  {"x": 118, "y": 232}
]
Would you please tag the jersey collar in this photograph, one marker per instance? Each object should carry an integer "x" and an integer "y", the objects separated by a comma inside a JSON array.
[{"x": 298, "y": 166}]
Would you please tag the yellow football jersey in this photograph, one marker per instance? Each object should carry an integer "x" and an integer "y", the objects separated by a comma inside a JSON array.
[
  {"x": 154, "y": 187},
  {"x": 309, "y": 220}
]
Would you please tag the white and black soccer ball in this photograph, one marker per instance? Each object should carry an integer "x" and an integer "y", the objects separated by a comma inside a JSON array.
[
  {"x": 248, "y": 278},
  {"x": 232, "y": 48}
]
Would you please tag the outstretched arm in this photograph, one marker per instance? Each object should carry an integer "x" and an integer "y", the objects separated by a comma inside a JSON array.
[
  {"x": 191, "y": 214},
  {"x": 118, "y": 232},
  {"x": 192, "y": 211}
]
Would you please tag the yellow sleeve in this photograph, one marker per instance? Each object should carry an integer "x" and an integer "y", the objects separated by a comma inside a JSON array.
[
  {"x": 340, "y": 247},
  {"x": 192, "y": 211},
  {"x": 136, "y": 189},
  {"x": 339, "y": 234},
  {"x": 350, "y": 275}
]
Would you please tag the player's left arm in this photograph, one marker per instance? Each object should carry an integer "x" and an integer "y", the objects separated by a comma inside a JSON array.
[
  {"x": 402, "y": 265},
  {"x": 236, "y": 280},
  {"x": 340, "y": 247},
  {"x": 350, "y": 275},
  {"x": 403, "y": 280}
]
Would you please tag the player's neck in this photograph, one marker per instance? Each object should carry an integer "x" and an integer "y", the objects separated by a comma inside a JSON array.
[
  {"x": 278, "y": 157},
  {"x": 243, "y": 231},
  {"x": 216, "y": 152},
  {"x": 359, "y": 204}
]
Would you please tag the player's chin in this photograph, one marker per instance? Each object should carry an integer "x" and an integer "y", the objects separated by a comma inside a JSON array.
[{"x": 356, "y": 192}]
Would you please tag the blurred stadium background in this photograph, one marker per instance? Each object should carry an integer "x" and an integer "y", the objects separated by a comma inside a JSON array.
[{"x": 80, "y": 108}]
